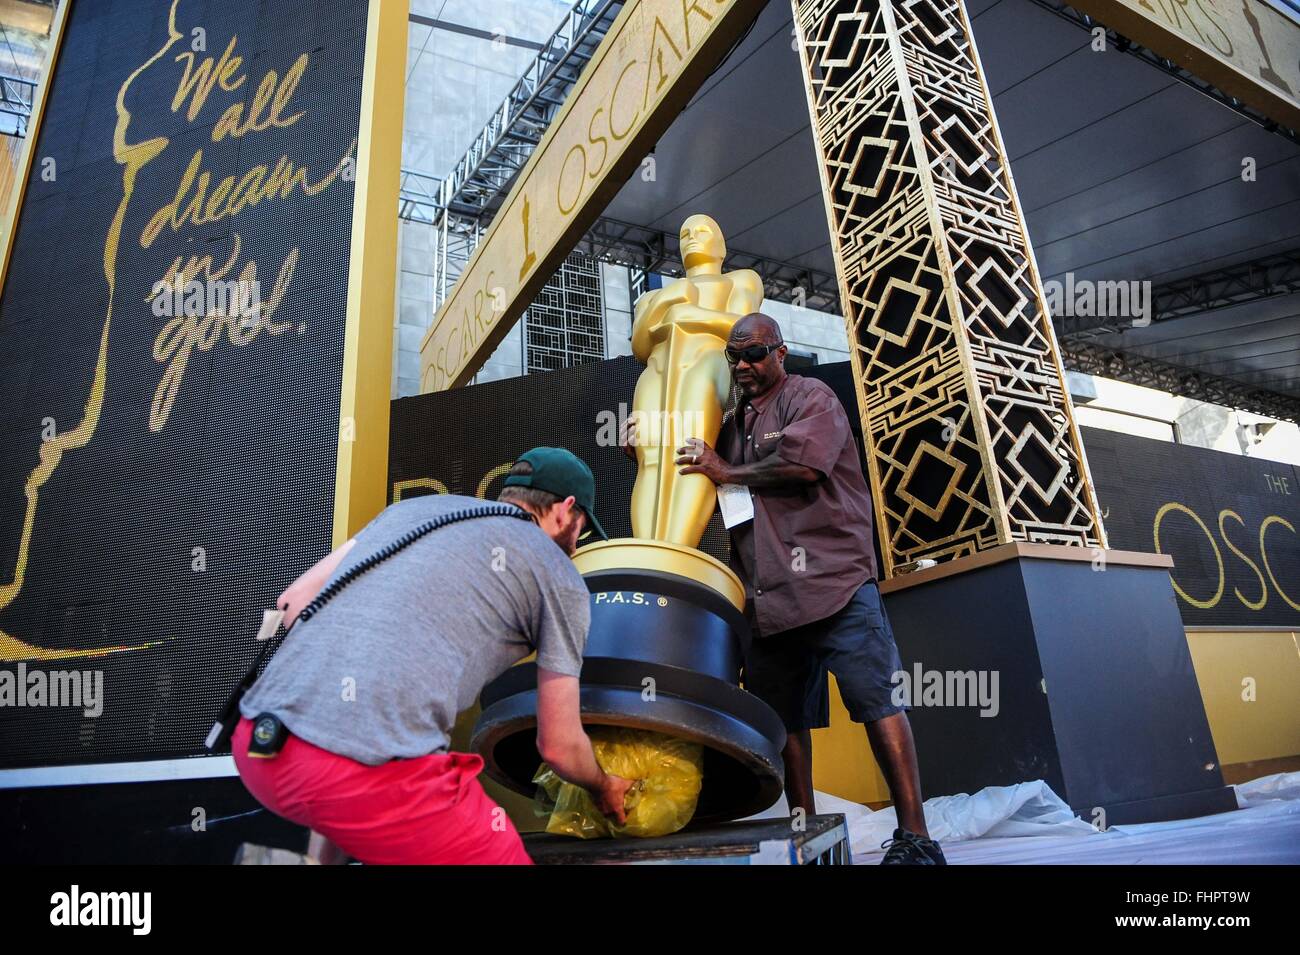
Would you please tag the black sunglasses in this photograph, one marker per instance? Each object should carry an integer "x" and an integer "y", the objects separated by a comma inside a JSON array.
[{"x": 752, "y": 354}]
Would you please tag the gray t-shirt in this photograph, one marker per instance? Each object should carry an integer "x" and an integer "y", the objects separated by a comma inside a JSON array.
[{"x": 381, "y": 672}]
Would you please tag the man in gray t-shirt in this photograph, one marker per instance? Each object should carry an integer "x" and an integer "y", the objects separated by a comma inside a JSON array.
[{"x": 370, "y": 687}]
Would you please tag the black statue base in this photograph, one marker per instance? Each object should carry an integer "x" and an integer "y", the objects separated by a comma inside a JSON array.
[
  {"x": 1096, "y": 691},
  {"x": 664, "y": 654}
]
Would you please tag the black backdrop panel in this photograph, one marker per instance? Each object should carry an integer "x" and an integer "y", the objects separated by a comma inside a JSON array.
[
  {"x": 463, "y": 439},
  {"x": 168, "y": 529},
  {"x": 459, "y": 439},
  {"x": 1221, "y": 565}
]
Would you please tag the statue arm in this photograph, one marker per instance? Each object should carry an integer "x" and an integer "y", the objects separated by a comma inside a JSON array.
[
  {"x": 746, "y": 292},
  {"x": 651, "y": 308},
  {"x": 641, "y": 343}
]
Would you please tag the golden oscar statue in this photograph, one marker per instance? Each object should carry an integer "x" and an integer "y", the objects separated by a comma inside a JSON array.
[{"x": 680, "y": 332}]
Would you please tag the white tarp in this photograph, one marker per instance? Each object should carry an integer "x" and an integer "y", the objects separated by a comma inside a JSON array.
[
  {"x": 1268, "y": 788},
  {"x": 1025, "y": 809},
  {"x": 1028, "y": 822}
]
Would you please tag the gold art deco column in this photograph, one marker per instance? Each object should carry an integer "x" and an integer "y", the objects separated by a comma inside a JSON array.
[
  {"x": 973, "y": 451},
  {"x": 970, "y": 436}
]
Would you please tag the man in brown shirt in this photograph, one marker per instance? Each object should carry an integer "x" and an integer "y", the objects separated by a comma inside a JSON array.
[{"x": 809, "y": 568}]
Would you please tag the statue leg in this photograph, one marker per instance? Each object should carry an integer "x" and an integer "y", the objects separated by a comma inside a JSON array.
[
  {"x": 647, "y": 404},
  {"x": 685, "y": 511}
]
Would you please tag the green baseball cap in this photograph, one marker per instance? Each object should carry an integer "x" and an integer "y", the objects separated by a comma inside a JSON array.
[{"x": 562, "y": 473}]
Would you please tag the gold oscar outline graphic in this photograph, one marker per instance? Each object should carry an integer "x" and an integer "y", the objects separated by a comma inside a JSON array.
[
  {"x": 180, "y": 336},
  {"x": 133, "y": 157}
]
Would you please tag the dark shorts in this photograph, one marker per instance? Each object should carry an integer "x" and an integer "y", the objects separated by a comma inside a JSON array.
[{"x": 787, "y": 670}]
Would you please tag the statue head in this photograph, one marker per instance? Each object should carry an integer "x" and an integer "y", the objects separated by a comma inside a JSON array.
[{"x": 703, "y": 247}]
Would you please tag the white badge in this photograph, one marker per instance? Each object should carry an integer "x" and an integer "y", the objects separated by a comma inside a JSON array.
[
  {"x": 736, "y": 503},
  {"x": 270, "y": 623}
]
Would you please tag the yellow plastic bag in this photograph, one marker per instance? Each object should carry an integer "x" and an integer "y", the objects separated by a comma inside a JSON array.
[{"x": 669, "y": 773}]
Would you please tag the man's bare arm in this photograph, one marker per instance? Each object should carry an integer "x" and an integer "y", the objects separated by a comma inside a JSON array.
[
  {"x": 564, "y": 745},
  {"x": 300, "y": 593},
  {"x": 771, "y": 471}
]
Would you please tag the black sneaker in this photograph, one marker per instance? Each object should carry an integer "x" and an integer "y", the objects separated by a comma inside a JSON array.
[{"x": 907, "y": 848}]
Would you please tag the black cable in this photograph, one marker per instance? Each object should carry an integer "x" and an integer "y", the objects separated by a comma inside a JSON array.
[
  {"x": 224, "y": 727},
  {"x": 410, "y": 537}
]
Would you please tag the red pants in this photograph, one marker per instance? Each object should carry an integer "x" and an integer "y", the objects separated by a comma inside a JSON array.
[{"x": 426, "y": 811}]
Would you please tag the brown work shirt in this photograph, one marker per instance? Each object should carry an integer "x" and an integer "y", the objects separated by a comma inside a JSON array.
[{"x": 809, "y": 547}]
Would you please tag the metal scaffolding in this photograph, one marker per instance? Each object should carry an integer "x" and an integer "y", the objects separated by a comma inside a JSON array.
[
  {"x": 1092, "y": 359},
  {"x": 461, "y": 205},
  {"x": 16, "y": 96},
  {"x": 565, "y": 325},
  {"x": 644, "y": 250},
  {"x": 1238, "y": 284}
]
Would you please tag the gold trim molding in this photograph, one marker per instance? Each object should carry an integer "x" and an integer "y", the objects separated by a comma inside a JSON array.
[
  {"x": 643, "y": 554},
  {"x": 1018, "y": 550}
]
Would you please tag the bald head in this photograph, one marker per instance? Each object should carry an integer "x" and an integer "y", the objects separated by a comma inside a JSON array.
[
  {"x": 756, "y": 354},
  {"x": 755, "y": 329}
]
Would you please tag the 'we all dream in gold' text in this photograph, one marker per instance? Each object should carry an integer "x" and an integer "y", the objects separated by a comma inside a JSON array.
[{"x": 198, "y": 202}]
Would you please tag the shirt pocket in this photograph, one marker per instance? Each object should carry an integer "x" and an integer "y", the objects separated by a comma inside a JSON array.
[{"x": 766, "y": 443}]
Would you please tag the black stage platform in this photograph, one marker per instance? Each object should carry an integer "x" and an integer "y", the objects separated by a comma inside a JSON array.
[{"x": 824, "y": 840}]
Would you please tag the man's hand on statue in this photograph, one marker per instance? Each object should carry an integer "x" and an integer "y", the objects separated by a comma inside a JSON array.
[
  {"x": 698, "y": 458},
  {"x": 627, "y": 437}
]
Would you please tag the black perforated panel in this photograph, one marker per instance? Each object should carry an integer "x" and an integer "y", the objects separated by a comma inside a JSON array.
[
  {"x": 154, "y": 526},
  {"x": 455, "y": 440},
  {"x": 1239, "y": 579}
]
